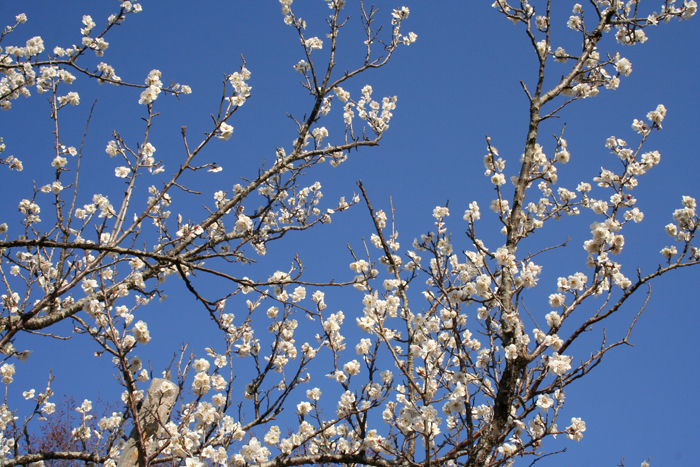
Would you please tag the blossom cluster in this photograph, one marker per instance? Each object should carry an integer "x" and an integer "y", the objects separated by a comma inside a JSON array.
[
  {"x": 22, "y": 68},
  {"x": 439, "y": 369},
  {"x": 629, "y": 31}
]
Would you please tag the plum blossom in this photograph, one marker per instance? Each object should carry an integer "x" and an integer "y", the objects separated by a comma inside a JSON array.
[
  {"x": 71, "y": 98},
  {"x": 669, "y": 252},
  {"x": 225, "y": 131},
  {"x": 141, "y": 333},
  {"x": 559, "y": 364},
  {"x": 544, "y": 401},
  {"x": 553, "y": 319},
  {"x": 7, "y": 371},
  {"x": 352, "y": 368},
  {"x": 576, "y": 429},
  {"x": 623, "y": 66},
  {"x": 243, "y": 223},
  {"x": 657, "y": 116},
  {"x": 122, "y": 172},
  {"x": 302, "y": 67},
  {"x": 313, "y": 43},
  {"x": 319, "y": 134},
  {"x": 154, "y": 88}
]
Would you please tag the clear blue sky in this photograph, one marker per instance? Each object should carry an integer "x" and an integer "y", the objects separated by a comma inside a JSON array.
[{"x": 459, "y": 82}]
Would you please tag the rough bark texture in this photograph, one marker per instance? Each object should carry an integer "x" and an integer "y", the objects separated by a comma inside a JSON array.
[{"x": 154, "y": 413}]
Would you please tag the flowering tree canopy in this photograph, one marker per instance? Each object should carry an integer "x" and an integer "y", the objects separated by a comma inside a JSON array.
[{"x": 456, "y": 347}]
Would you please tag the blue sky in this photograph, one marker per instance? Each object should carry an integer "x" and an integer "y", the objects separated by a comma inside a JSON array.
[{"x": 458, "y": 83}]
